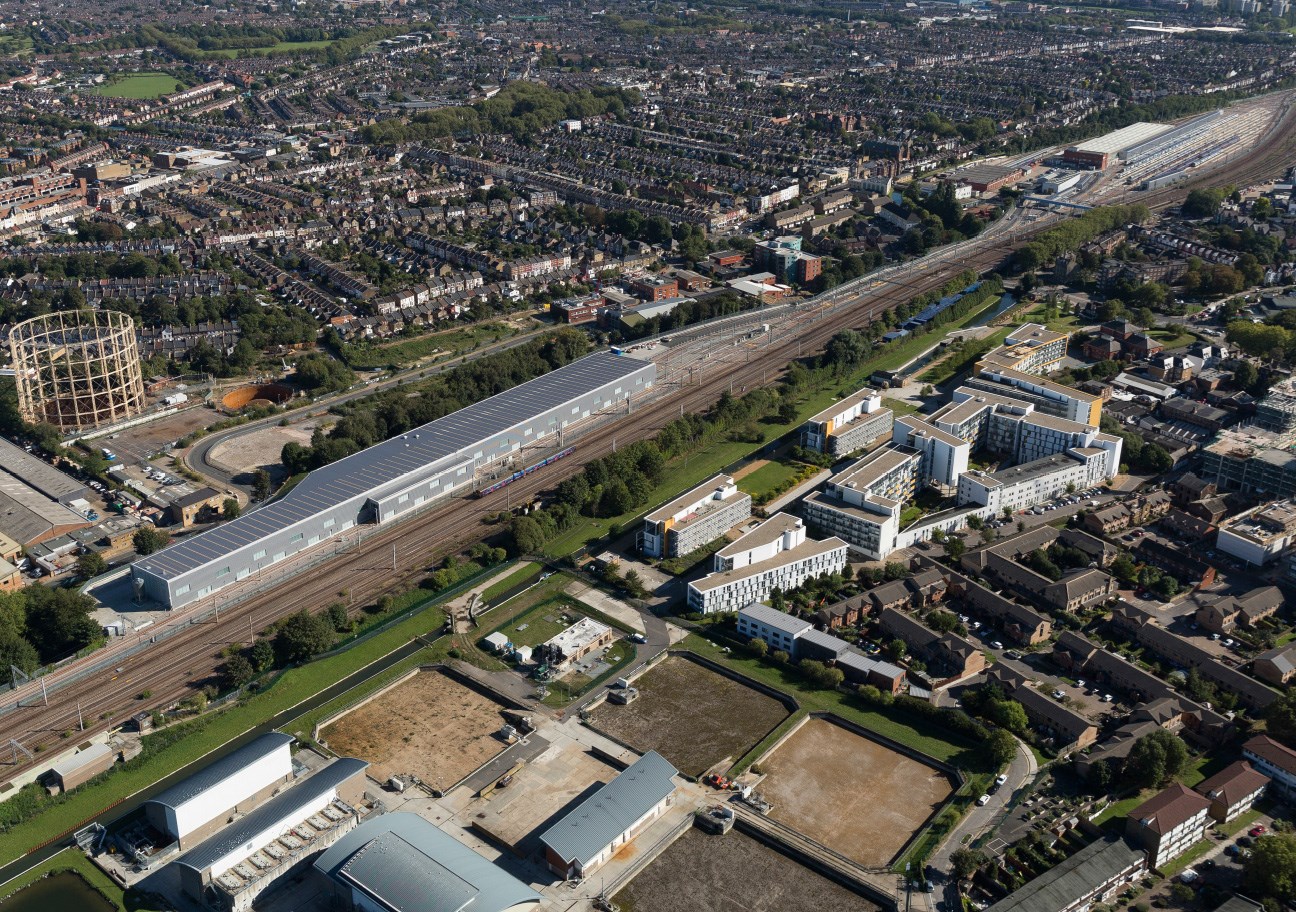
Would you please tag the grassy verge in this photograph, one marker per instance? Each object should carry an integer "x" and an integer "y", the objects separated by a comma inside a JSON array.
[
  {"x": 1121, "y": 808},
  {"x": 524, "y": 573},
  {"x": 912, "y": 732},
  {"x": 72, "y": 860},
  {"x": 1195, "y": 852},
  {"x": 440, "y": 345},
  {"x": 900, "y": 407},
  {"x": 290, "y": 689}
]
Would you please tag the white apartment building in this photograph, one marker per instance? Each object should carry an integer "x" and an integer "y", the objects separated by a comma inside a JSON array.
[
  {"x": 1024, "y": 486},
  {"x": 1030, "y": 348},
  {"x": 1047, "y": 396},
  {"x": 775, "y": 555},
  {"x": 1277, "y": 761},
  {"x": 694, "y": 519},
  {"x": 943, "y": 456},
  {"x": 1260, "y": 535},
  {"x": 852, "y": 424}
]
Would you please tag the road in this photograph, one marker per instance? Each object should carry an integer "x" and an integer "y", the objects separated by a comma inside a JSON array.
[
  {"x": 193, "y": 652},
  {"x": 1021, "y": 772}
]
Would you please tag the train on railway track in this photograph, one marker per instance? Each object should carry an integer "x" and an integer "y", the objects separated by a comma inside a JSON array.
[{"x": 522, "y": 473}]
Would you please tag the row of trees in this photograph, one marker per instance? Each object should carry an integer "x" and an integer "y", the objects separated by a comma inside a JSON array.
[
  {"x": 1154, "y": 760},
  {"x": 1073, "y": 233},
  {"x": 624, "y": 481},
  {"x": 399, "y": 409}
]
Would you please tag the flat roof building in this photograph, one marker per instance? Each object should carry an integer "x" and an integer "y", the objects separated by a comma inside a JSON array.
[
  {"x": 851, "y": 424},
  {"x": 82, "y": 766},
  {"x": 39, "y": 474},
  {"x": 694, "y": 519},
  {"x": 402, "y": 863},
  {"x": 391, "y": 479}
]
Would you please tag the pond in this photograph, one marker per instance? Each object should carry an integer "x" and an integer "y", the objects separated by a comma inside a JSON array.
[{"x": 64, "y": 890}]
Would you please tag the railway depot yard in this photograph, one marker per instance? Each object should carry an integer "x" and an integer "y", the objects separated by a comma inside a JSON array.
[
  {"x": 428, "y": 725},
  {"x": 854, "y": 795},
  {"x": 691, "y": 715},
  {"x": 704, "y": 873}
]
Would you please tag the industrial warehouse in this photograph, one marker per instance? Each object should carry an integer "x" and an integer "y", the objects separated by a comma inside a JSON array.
[{"x": 393, "y": 478}]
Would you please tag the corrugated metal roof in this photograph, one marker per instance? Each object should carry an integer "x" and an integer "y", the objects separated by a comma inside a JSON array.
[
  {"x": 78, "y": 760},
  {"x": 280, "y": 807},
  {"x": 384, "y": 465},
  {"x": 218, "y": 771},
  {"x": 38, "y": 473},
  {"x": 612, "y": 810},
  {"x": 406, "y": 863}
]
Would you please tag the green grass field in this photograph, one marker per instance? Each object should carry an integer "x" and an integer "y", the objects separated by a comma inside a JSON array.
[
  {"x": 900, "y": 407},
  {"x": 765, "y": 481},
  {"x": 516, "y": 577},
  {"x": 439, "y": 345},
  {"x": 140, "y": 85},
  {"x": 541, "y": 623}
]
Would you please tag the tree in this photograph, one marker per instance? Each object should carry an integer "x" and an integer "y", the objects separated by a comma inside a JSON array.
[
  {"x": 758, "y": 647},
  {"x": 230, "y": 508},
  {"x": 302, "y": 636},
  {"x": 91, "y": 563},
  {"x": 1009, "y": 714},
  {"x": 149, "y": 540},
  {"x": 1002, "y": 747},
  {"x": 966, "y": 861},
  {"x": 779, "y": 656},
  {"x": 1270, "y": 872},
  {"x": 896, "y": 649},
  {"x": 955, "y": 548},
  {"x": 260, "y": 485},
  {"x": 1155, "y": 759},
  {"x": 237, "y": 671},
  {"x": 338, "y": 617},
  {"x": 1280, "y": 718},
  {"x": 1245, "y": 375},
  {"x": 262, "y": 655},
  {"x": 634, "y": 586}
]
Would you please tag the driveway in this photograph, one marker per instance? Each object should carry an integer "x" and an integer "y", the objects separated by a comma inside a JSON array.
[{"x": 1020, "y": 773}]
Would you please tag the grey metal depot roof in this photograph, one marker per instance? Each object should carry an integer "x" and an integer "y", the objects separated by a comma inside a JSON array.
[
  {"x": 215, "y": 773},
  {"x": 613, "y": 809},
  {"x": 404, "y": 862},
  {"x": 279, "y": 808},
  {"x": 386, "y": 462},
  {"x": 39, "y": 474}
]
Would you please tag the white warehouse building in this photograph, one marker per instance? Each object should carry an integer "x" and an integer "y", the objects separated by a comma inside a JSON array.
[
  {"x": 394, "y": 478},
  {"x": 237, "y": 783}
]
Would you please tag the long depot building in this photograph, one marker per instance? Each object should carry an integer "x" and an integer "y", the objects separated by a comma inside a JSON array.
[{"x": 392, "y": 479}]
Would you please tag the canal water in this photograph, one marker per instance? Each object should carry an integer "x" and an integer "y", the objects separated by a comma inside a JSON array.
[{"x": 62, "y": 892}]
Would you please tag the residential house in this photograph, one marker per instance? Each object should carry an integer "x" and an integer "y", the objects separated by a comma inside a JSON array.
[
  {"x": 1277, "y": 665},
  {"x": 1233, "y": 790}
]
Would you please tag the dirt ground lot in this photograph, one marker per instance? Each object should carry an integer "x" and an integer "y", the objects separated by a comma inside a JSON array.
[
  {"x": 691, "y": 716},
  {"x": 261, "y": 448},
  {"x": 141, "y": 442},
  {"x": 849, "y": 793},
  {"x": 704, "y": 873},
  {"x": 429, "y": 725}
]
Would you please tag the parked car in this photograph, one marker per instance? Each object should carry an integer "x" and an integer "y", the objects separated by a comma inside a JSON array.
[
  {"x": 1001, "y": 779},
  {"x": 983, "y": 801},
  {"x": 1059, "y": 694},
  {"x": 1257, "y": 830}
]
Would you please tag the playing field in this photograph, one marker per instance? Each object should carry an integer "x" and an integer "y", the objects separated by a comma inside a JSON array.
[
  {"x": 850, "y": 793},
  {"x": 429, "y": 725},
  {"x": 140, "y": 85},
  {"x": 691, "y": 715},
  {"x": 702, "y": 873}
]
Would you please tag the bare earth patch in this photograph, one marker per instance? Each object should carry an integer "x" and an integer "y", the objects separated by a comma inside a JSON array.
[
  {"x": 701, "y": 873},
  {"x": 850, "y": 793},
  {"x": 430, "y": 726},
  {"x": 691, "y": 715}
]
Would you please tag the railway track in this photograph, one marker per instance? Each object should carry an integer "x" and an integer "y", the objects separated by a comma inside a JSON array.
[{"x": 192, "y": 656}]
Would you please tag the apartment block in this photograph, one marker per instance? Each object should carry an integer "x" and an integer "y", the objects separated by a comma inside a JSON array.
[
  {"x": 775, "y": 555},
  {"x": 1032, "y": 483},
  {"x": 1030, "y": 348},
  {"x": 943, "y": 457},
  {"x": 1233, "y": 790},
  {"x": 854, "y": 423},
  {"x": 1277, "y": 761},
  {"x": 1047, "y": 396},
  {"x": 694, "y": 519},
  {"x": 1169, "y": 823}
]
